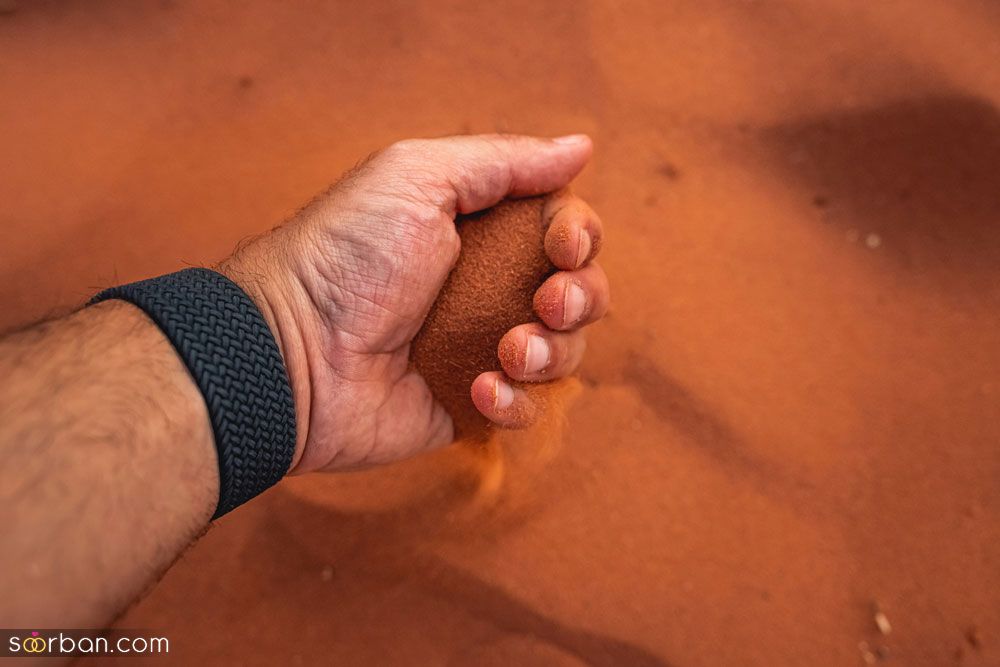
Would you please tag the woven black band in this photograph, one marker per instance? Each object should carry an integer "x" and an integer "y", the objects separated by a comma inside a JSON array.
[{"x": 231, "y": 353}]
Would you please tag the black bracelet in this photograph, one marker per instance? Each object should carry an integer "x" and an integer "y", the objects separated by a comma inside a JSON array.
[{"x": 232, "y": 356}]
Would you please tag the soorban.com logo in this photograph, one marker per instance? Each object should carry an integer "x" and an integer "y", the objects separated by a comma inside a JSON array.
[
  {"x": 79, "y": 643},
  {"x": 32, "y": 644}
]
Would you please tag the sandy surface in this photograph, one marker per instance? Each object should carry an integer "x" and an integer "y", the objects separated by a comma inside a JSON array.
[{"x": 790, "y": 419}]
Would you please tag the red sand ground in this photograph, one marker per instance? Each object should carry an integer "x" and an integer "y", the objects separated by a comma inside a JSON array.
[{"x": 790, "y": 418}]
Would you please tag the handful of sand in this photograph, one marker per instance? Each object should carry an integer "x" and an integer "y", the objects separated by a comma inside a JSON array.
[{"x": 501, "y": 265}]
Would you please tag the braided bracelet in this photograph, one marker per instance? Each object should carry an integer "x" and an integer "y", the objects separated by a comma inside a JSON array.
[{"x": 230, "y": 352}]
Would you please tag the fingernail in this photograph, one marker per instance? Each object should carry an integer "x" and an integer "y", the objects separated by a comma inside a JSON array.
[
  {"x": 503, "y": 395},
  {"x": 582, "y": 248},
  {"x": 536, "y": 356},
  {"x": 570, "y": 139},
  {"x": 573, "y": 304}
]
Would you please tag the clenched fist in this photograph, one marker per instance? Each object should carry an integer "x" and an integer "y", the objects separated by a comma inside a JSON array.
[{"x": 347, "y": 284}]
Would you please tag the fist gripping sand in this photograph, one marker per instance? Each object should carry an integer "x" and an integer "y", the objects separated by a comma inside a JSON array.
[{"x": 489, "y": 291}]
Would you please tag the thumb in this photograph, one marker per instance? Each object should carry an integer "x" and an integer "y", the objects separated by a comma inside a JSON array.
[{"x": 471, "y": 173}]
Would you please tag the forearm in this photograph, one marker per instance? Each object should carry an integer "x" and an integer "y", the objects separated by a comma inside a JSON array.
[{"x": 109, "y": 468}]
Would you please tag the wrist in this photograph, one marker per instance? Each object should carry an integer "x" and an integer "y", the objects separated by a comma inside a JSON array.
[
  {"x": 227, "y": 345},
  {"x": 279, "y": 301}
]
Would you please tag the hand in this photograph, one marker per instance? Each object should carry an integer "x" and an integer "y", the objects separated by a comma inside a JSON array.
[{"x": 347, "y": 283}]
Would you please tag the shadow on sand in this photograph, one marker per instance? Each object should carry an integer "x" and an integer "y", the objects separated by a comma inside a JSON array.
[
  {"x": 387, "y": 551},
  {"x": 922, "y": 173}
]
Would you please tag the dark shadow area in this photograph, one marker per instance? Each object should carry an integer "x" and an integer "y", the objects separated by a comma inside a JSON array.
[
  {"x": 923, "y": 174},
  {"x": 379, "y": 554}
]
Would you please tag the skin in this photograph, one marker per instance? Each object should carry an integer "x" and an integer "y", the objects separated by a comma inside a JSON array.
[{"x": 109, "y": 468}]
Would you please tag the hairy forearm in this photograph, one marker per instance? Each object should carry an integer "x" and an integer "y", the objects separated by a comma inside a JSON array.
[{"x": 108, "y": 466}]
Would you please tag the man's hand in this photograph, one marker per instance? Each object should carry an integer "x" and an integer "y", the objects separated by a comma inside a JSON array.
[
  {"x": 109, "y": 470},
  {"x": 347, "y": 283}
]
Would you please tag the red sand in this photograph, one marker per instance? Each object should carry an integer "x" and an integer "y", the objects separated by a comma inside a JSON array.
[
  {"x": 502, "y": 264},
  {"x": 790, "y": 417}
]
